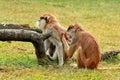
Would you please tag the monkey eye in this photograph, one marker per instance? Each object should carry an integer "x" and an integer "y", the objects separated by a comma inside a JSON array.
[
  {"x": 46, "y": 18},
  {"x": 41, "y": 17},
  {"x": 71, "y": 27}
]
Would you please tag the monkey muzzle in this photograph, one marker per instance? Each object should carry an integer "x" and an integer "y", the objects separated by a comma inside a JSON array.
[
  {"x": 41, "y": 23},
  {"x": 38, "y": 23}
]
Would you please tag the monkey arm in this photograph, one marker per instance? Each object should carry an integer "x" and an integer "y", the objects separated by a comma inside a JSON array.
[
  {"x": 68, "y": 49},
  {"x": 72, "y": 49},
  {"x": 65, "y": 45}
]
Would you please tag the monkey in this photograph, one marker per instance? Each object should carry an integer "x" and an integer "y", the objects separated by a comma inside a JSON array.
[
  {"x": 88, "y": 52},
  {"x": 48, "y": 23}
]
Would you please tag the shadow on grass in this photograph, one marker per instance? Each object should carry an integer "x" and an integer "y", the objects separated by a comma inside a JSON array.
[
  {"x": 113, "y": 59},
  {"x": 23, "y": 61}
]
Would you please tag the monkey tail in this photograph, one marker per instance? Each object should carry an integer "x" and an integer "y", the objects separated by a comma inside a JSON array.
[
  {"x": 48, "y": 56},
  {"x": 108, "y": 54}
]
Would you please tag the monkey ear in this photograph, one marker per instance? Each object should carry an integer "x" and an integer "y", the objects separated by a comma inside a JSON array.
[{"x": 47, "y": 19}]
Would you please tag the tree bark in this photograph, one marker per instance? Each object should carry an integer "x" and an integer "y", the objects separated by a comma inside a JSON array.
[
  {"x": 14, "y": 26},
  {"x": 27, "y": 36},
  {"x": 19, "y": 26}
]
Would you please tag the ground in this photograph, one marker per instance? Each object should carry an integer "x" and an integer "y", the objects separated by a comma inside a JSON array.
[{"x": 100, "y": 17}]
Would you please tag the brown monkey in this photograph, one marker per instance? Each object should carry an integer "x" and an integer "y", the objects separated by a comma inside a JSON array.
[
  {"x": 85, "y": 45},
  {"x": 48, "y": 23}
]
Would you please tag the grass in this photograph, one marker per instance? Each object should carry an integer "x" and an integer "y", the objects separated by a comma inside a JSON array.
[{"x": 100, "y": 17}]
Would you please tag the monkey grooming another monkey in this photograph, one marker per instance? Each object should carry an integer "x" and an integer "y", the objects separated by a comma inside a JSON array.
[{"x": 88, "y": 52}]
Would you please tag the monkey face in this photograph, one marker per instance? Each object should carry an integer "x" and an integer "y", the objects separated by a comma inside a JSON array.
[
  {"x": 44, "y": 20},
  {"x": 74, "y": 29},
  {"x": 71, "y": 30}
]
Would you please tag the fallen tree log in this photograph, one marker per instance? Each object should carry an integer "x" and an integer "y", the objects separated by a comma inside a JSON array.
[
  {"x": 14, "y": 26},
  {"x": 109, "y": 54},
  {"x": 27, "y": 36},
  {"x": 19, "y": 26}
]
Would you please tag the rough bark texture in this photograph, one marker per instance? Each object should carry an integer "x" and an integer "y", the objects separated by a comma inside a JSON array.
[
  {"x": 19, "y": 26},
  {"x": 108, "y": 54},
  {"x": 28, "y": 36},
  {"x": 14, "y": 26}
]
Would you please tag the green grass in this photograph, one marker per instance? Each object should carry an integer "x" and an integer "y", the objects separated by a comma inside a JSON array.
[{"x": 100, "y": 17}]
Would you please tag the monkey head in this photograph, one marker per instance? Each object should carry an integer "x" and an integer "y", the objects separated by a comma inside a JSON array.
[
  {"x": 73, "y": 29},
  {"x": 44, "y": 20}
]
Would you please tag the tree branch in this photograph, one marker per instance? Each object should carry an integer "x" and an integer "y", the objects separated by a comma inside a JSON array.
[
  {"x": 108, "y": 54},
  {"x": 19, "y": 26},
  {"x": 27, "y": 36}
]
